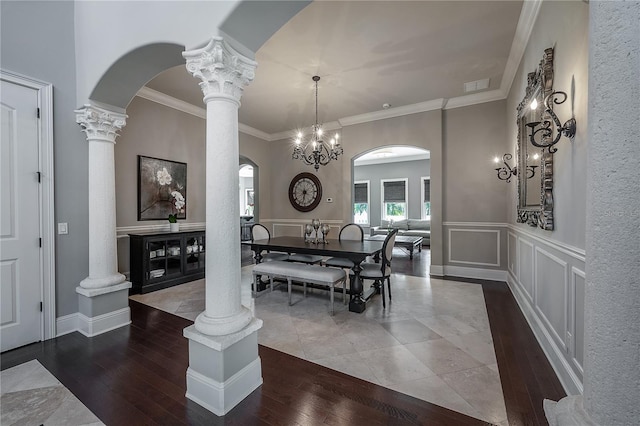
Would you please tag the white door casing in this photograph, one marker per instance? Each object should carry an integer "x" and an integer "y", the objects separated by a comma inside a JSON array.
[{"x": 26, "y": 212}]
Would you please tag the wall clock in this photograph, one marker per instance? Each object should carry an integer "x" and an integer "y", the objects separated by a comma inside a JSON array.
[{"x": 305, "y": 192}]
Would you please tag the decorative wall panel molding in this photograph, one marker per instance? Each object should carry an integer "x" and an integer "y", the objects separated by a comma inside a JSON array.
[
  {"x": 554, "y": 307},
  {"x": 576, "y": 316},
  {"x": 512, "y": 253},
  {"x": 526, "y": 271},
  {"x": 490, "y": 234},
  {"x": 551, "y": 293}
]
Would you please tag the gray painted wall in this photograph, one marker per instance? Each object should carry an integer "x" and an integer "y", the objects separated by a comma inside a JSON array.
[
  {"x": 155, "y": 130},
  {"x": 562, "y": 25},
  {"x": 36, "y": 35},
  {"x": 412, "y": 170},
  {"x": 473, "y": 135}
]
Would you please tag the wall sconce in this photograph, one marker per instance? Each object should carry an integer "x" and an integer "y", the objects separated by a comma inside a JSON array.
[
  {"x": 567, "y": 129},
  {"x": 505, "y": 172}
]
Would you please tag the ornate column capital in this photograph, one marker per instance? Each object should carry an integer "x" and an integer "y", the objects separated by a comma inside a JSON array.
[
  {"x": 100, "y": 124},
  {"x": 224, "y": 71}
]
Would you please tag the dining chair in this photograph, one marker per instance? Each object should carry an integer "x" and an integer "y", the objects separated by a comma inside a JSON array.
[
  {"x": 260, "y": 232},
  {"x": 379, "y": 272},
  {"x": 352, "y": 232}
]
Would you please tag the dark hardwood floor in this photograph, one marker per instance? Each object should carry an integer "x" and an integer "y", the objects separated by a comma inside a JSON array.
[{"x": 135, "y": 375}]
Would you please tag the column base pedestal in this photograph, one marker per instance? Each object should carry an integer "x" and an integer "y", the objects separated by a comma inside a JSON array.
[
  {"x": 567, "y": 412},
  {"x": 103, "y": 309},
  {"x": 223, "y": 370}
]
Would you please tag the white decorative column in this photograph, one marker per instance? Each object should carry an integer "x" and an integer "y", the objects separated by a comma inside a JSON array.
[
  {"x": 103, "y": 295},
  {"x": 224, "y": 366},
  {"x": 612, "y": 297}
]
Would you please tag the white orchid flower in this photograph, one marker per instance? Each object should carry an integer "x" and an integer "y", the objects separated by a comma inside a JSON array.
[{"x": 164, "y": 178}]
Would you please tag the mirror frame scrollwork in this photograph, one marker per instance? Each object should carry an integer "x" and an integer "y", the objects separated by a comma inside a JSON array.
[{"x": 539, "y": 84}]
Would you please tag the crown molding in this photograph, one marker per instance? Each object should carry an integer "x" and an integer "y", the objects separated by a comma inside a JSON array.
[
  {"x": 255, "y": 132},
  {"x": 171, "y": 102},
  {"x": 393, "y": 112},
  {"x": 475, "y": 98},
  {"x": 527, "y": 20}
]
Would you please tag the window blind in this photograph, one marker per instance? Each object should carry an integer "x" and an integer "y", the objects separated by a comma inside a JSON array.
[
  {"x": 360, "y": 193},
  {"x": 394, "y": 191},
  {"x": 427, "y": 190}
]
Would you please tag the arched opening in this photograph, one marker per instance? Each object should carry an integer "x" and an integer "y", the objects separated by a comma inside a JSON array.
[
  {"x": 249, "y": 196},
  {"x": 391, "y": 188},
  {"x": 391, "y": 183}
]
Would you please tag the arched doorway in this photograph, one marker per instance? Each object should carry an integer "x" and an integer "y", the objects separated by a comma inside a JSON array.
[
  {"x": 391, "y": 183},
  {"x": 249, "y": 196}
]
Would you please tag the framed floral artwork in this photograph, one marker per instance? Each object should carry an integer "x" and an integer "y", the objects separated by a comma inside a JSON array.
[{"x": 162, "y": 189}]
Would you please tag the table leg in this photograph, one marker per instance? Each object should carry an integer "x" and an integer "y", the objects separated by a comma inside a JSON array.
[
  {"x": 258, "y": 284},
  {"x": 410, "y": 253},
  {"x": 357, "y": 303}
]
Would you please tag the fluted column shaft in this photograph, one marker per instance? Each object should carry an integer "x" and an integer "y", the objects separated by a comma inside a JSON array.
[
  {"x": 101, "y": 127},
  {"x": 223, "y": 73}
]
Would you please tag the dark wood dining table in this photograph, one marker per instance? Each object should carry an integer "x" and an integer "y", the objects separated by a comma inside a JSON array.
[{"x": 356, "y": 251}]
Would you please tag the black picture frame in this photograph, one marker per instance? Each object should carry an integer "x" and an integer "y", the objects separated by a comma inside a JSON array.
[{"x": 159, "y": 183}]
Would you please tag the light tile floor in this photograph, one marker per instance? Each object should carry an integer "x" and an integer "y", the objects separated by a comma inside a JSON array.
[
  {"x": 31, "y": 395},
  {"x": 433, "y": 341}
]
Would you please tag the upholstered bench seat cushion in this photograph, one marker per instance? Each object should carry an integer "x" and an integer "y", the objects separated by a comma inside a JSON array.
[{"x": 310, "y": 273}]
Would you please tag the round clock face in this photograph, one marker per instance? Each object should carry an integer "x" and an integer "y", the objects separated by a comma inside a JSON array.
[{"x": 305, "y": 192}]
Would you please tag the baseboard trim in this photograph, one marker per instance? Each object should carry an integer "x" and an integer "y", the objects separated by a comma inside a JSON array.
[
  {"x": 222, "y": 397},
  {"x": 570, "y": 382},
  {"x": 477, "y": 273},
  {"x": 94, "y": 326},
  {"x": 66, "y": 324},
  {"x": 436, "y": 271}
]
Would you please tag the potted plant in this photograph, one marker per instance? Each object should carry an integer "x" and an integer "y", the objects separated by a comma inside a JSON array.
[{"x": 178, "y": 206}]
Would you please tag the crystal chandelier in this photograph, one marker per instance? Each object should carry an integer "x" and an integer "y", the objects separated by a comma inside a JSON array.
[{"x": 315, "y": 151}]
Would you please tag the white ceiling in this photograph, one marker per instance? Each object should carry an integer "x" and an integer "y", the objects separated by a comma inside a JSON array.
[{"x": 367, "y": 53}]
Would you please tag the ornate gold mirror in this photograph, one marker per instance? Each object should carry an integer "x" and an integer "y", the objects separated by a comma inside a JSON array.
[{"x": 535, "y": 180}]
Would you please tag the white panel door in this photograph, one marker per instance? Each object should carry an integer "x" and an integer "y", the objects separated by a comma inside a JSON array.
[{"x": 20, "y": 268}]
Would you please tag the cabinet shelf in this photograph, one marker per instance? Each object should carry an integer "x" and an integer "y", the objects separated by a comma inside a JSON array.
[{"x": 178, "y": 265}]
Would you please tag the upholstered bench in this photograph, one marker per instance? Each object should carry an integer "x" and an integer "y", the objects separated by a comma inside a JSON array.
[{"x": 304, "y": 273}]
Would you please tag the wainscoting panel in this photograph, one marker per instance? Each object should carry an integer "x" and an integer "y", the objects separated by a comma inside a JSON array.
[
  {"x": 512, "y": 253},
  {"x": 548, "y": 283},
  {"x": 551, "y": 293},
  {"x": 577, "y": 324},
  {"x": 525, "y": 267},
  {"x": 479, "y": 247},
  {"x": 288, "y": 230}
]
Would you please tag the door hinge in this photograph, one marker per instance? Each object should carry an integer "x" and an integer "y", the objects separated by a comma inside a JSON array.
[
  {"x": 38, "y": 112},
  {"x": 40, "y": 306},
  {"x": 39, "y": 242},
  {"x": 39, "y": 177}
]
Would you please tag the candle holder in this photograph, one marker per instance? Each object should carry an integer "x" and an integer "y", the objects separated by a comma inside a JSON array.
[
  {"x": 325, "y": 228},
  {"x": 316, "y": 224},
  {"x": 308, "y": 229}
]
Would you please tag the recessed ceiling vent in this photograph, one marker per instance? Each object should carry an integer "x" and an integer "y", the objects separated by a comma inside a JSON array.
[{"x": 474, "y": 86}]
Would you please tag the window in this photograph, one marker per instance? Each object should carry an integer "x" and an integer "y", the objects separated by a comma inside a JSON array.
[
  {"x": 394, "y": 199},
  {"x": 361, "y": 202},
  {"x": 426, "y": 197}
]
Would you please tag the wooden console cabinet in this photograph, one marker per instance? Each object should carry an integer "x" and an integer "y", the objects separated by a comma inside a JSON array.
[{"x": 164, "y": 259}]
